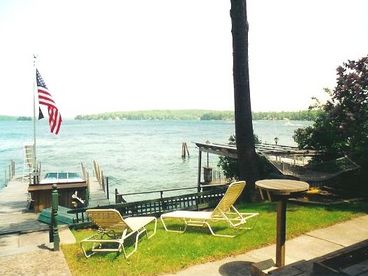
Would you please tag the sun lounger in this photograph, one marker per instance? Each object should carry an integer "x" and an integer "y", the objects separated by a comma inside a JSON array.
[
  {"x": 114, "y": 230},
  {"x": 224, "y": 211}
]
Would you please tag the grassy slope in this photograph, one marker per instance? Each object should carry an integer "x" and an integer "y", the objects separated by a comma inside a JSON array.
[{"x": 169, "y": 252}]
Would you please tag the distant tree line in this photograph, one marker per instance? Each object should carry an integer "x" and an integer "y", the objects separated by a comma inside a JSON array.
[
  {"x": 307, "y": 115},
  {"x": 7, "y": 118},
  {"x": 24, "y": 118},
  {"x": 14, "y": 118}
]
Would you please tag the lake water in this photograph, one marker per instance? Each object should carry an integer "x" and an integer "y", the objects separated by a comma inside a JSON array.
[{"x": 136, "y": 155}]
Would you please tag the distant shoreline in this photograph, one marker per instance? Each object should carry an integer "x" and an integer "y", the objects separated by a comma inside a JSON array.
[
  {"x": 190, "y": 114},
  {"x": 303, "y": 115},
  {"x": 15, "y": 118}
]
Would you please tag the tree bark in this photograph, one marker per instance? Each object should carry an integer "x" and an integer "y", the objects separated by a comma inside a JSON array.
[{"x": 243, "y": 113}]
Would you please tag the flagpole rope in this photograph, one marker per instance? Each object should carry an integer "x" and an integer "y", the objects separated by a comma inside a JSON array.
[{"x": 34, "y": 169}]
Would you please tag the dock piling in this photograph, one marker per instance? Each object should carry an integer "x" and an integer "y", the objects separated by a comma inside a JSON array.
[
  {"x": 107, "y": 187},
  {"x": 184, "y": 150},
  {"x": 102, "y": 183},
  {"x": 13, "y": 168},
  {"x": 5, "y": 178}
]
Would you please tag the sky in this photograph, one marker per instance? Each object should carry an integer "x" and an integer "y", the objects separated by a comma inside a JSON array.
[{"x": 101, "y": 56}]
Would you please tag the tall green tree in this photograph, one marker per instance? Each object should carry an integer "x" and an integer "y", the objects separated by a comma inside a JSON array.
[
  {"x": 342, "y": 126},
  {"x": 243, "y": 112}
]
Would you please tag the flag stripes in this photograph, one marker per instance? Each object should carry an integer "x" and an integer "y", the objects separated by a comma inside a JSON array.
[{"x": 45, "y": 98}]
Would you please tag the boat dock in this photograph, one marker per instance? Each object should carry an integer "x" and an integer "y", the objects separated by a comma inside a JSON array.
[
  {"x": 97, "y": 192},
  {"x": 287, "y": 160},
  {"x": 14, "y": 216},
  {"x": 21, "y": 231}
]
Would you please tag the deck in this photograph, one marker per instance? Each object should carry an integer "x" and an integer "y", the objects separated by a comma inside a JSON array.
[
  {"x": 289, "y": 161},
  {"x": 16, "y": 218},
  {"x": 97, "y": 194}
]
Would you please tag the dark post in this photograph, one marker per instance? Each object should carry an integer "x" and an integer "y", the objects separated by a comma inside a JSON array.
[
  {"x": 34, "y": 176},
  {"x": 102, "y": 180},
  {"x": 281, "y": 232},
  {"x": 116, "y": 196},
  {"x": 6, "y": 181},
  {"x": 243, "y": 112},
  {"x": 199, "y": 170},
  {"x": 88, "y": 188},
  {"x": 54, "y": 233},
  {"x": 13, "y": 168},
  {"x": 107, "y": 187}
]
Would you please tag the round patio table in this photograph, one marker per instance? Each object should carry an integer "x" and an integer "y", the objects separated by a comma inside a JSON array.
[{"x": 281, "y": 189}]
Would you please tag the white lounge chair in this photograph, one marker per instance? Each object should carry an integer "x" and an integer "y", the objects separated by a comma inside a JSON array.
[
  {"x": 224, "y": 211},
  {"x": 113, "y": 229}
]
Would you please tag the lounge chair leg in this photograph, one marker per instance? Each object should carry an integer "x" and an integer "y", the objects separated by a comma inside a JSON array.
[
  {"x": 154, "y": 230},
  {"x": 218, "y": 235},
  {"x": 85, "y": 252},
  {"x": 169, "y": 230},
  {"x": 251, "y": 227},
  {"x": 93, "y": 246},
  {"x": 131, "y": 253}
]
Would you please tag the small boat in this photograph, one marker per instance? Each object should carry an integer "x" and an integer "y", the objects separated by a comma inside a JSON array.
[
  {"x": 61, "y": 177},
  {"x": 68, "y": 184}
]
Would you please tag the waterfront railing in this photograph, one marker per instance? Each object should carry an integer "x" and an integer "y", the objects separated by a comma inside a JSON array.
[
  {"x": 155, "y": 207},
  {"x": 9, "y": 172},
  {"x": 119, "y": 196}
]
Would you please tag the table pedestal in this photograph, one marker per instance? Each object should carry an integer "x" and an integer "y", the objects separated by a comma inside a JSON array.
[
  {"x": 281, "y": 232},
  {"x": 280, "y": 190}
]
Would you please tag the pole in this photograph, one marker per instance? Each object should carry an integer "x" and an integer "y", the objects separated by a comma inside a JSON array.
[
  {"x": 107, "y": 188},
  {"x": 54, "y": 233},
  {"x": 199, "y": 169},
  {"x": 281, "y": 232},
  {"x": 34, "y": 163}
]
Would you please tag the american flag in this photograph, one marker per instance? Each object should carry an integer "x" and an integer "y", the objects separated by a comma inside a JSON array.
[{"x": 45, "y": 98}]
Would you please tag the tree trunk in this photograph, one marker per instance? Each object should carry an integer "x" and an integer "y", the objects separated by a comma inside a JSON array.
[{"x": 243, "y": 112}]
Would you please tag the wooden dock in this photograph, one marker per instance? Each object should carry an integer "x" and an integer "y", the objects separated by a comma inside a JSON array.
[
  {"x": 96, "y": 193},
  {"x": 14, "y": 216}
]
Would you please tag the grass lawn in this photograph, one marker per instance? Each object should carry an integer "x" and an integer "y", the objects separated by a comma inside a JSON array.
[{"x": 170, "y": 252}]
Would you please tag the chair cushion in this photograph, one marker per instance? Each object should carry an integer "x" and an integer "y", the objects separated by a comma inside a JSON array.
[
  {"x": 136, "y": 223},
  {"x": 188, "y": 214}
]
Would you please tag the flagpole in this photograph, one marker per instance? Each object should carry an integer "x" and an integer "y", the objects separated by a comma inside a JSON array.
[{"x": 35, "y": 170}]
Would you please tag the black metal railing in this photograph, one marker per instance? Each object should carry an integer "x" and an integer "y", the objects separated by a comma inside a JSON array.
[
  {"x": 119, "y": 196},
  {"x": 155, "y": 207}
]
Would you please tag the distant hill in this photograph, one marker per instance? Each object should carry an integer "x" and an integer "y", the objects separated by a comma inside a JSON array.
[
  {"x": 193, "y": 114},
  {"x": 7, "y": 118},
  {"x": 14, "y": 118}
]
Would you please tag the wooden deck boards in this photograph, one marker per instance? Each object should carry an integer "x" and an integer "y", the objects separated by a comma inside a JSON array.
[
  {"x": 96, "y": 194},
  {"x": 14, "y": 216}
]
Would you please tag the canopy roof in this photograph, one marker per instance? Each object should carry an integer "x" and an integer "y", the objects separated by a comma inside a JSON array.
[{"x": 269, "y": 149}]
